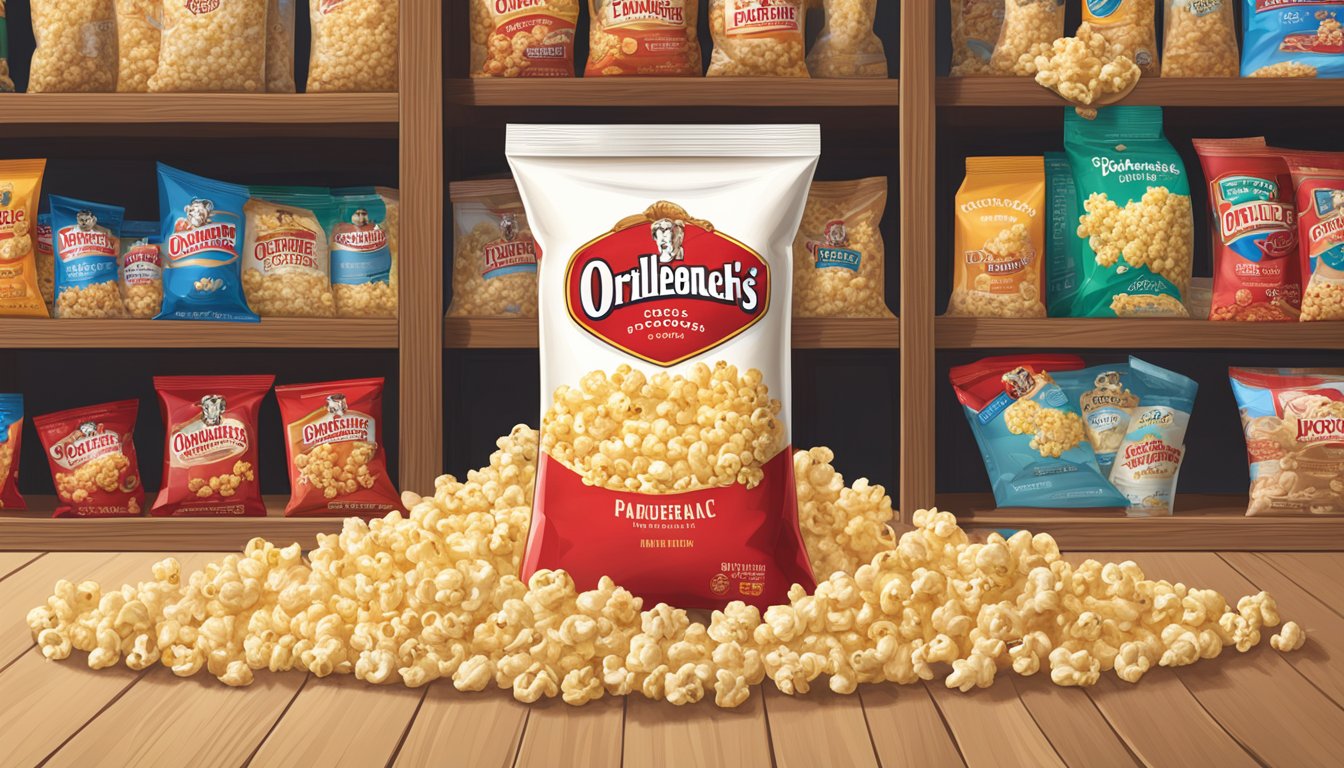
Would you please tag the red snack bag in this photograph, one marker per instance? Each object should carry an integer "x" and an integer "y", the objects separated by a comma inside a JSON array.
[
  {"x": 11, "y": 440},
  {"x": 1256, "y": 276},
  {"x": 210, "y": 450},
  {"x": 1319, "y": 181},
  {"x": 336, "y": 465},
  {"x": 92, "y": 455}
]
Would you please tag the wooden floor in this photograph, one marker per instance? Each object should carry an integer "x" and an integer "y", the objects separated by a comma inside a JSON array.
[{"x": 1260, "y": 708}]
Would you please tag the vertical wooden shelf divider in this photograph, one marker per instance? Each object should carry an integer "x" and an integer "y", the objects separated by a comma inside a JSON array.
[{"x": 420, "y": 324}]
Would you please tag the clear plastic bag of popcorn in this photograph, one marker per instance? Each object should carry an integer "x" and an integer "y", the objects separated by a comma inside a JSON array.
[
  {"x": 212, "y": 45},
  {"x": 643, "y": 38},
  {"x": 46, "y": 258},
  {"x": 140, "y": 268},
  {"x": 87, "y": 239},
  {"x": 494, "y": 255},
  {"x": 1000, "y": 239},
  {"x": 838, "y": 254},
  {"x": 286, "y": 257},
  {"x": 1200, "y": 39},
  {"x": 76, "y": 47},
  {"x": 354, "y": 45},
  {"x": 91, "y": 451},
  {"x": 1148, "y": 461},
  {"x": 523, "y": 39},
  {"x": 757, "y": 38},
  {"x": 847, "y": 46},
  {"x": 1029, "y": 29},
  {"x": 975, "y": 32},
  {"x": 139, "y": 25},
  {"x": 1129, "y": 28},
  {"x": 6, "y": 82},
  {"x": 11, "y": 441},
  {"x": 20, "y": 188},
  {"x": 364, "y": 252},
  {"x": 280, "y": 46}
]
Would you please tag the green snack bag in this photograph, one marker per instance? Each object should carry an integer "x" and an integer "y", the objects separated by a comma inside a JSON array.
[
  {"x": 1135, "y": 224},
  {"x": 1062, "y": 243}
]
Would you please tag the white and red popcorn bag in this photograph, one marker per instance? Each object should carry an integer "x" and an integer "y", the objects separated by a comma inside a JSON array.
[
  {"x": 664, "y": 305},
  {"x": 92, "y": 456},
  {"x": 210, "y": 445},
  {"x": 337, "y": 465}
]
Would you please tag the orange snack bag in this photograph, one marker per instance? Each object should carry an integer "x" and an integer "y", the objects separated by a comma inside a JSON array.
[
  {"x": 20, "y": 186},
  {"x": 523, "y": 38},
  {"x": 643, "y": 37},
  {"x": 757, "y": 38},
  {"x": 1000, "y": 239}
]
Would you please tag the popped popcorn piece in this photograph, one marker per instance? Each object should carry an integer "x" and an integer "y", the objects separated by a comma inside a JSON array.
[{"x": 1289, "y": 638}]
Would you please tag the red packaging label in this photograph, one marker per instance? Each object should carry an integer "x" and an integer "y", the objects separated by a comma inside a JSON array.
[
  {"x": 337, "y": 465},
  {"x": 11, "y": 441},
  {"x": 210, "y": 449},
  {"x": 92, "y": 456}
]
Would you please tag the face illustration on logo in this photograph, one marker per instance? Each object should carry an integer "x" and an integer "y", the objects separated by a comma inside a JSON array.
[
  {"x": 85, "y": 221},
  {"x": 668, "y": 235},
  {"x": 198, "y": 212},
  {"x": 360, "y": 218},
  {"x": 212, "y": 410},
  {"x": 88, "y": 429},
  {"x": 1107, "y": 380},
  {"x": 1337, "y": 199},
  {"x": 336, "y": 405},
  {"x": 836, "y": 234},
  {"x": 1018, "y": 382},
  {"x": 508, "y": 225}
]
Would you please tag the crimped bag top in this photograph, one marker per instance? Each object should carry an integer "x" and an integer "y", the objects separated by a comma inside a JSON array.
[
  {"x": 91, "y": 451},
  {"x": 20, "y": 188},
  {"x": 11, "y": 441}
]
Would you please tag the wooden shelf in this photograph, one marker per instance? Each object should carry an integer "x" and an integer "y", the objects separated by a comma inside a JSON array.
[
  {"x": 36, "y": 530},
  {"x": 275, "y": 332},
  {"x": 259, "y": 108},
  {"x": 1201, "y": 522},
  {"x": 1114, "y": 333},
  {"x": 672, "y": 91},
  {"x": 1171, "y": 92},
  {"x": 808, "y": 333}
]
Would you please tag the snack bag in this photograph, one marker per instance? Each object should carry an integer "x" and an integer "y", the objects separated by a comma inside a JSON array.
[
  {"x": 92, "y": 455},
  {"x": 337, "y": 465},
  {"x": 838, "y": 253},
  {"x": 286, "y": 258},
  {"x": 1063, "y": 248},
  {"x": 643, "y": 38},
  {"x": 139, "y": 27},
  {"x": 1029, "y": 29},
  {"x": 1294, "y": 424},
  {"x": 534, "y": 38},
  {"x": 140, "y": 269},
  {"x": 1105, "y": 396},
  {"x": 1292, "y": 38},
  {"x": 1137, "y": 226},
  {"x": 1319, "y": 183},
  {"x": 847, "y": 46},
  {"x": 1200, "y": 39},
  {"x": 1254, "y": 226},
  {"x": 20, "y": 187},
  {"x": 494, "y": 255},
  {"x": 43, "y": 251},
  {"x": 210, "y": 450},
  {"x": 975, "y": 32},
  {"x": 212, "y": 45},
  {"x": 757, "y": 38},
  {"x": 76, "y": 47},
  {"x": 1000, "y": 237},
  {"x": 280, "y": 46},
  {"x": 665, "y": 460},
  {"x": 87, "y": 238},
  {"x": 354, "y": 45},
  {"x": 6, "y": 83},
  {"x": 201, "y": 230},
  {"x": 1129, "y": 28},
  {"x": 364, "y": 252},
  {"x": 11, "y": 441},
  {"x": 1148, "y": 461},
  {"x": 1031, "y": 437}
]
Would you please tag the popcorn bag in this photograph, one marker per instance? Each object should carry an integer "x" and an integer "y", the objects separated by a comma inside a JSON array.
[
  {"x": 76, "y": 47},
  {"x": 1200, "y": 39},
  {"x": 1129, "y": 27},
  {"x": 1319, "y": 182},
  {"x": 92, "y": 456},
  {"x": 847, "y": 46},
  {"x": 523, "y": 38},
  {"x": 975, "y": 32},
  {"x": 494, "y": 255},
  {"x": 664, "y": 302},
  {"x": 337, "y": 465},
  {"x": 757, "y": 38},
  {"x": 11, "y": 441},
  {"x": 1148, "y": 461},
  {"x": 139, "y": 25},
  {"x": 20, "y": 187},
  {"x": 643, "y": 38},
  {"x": 838, "y": 253},
  {"x": 354, "y": 46},
  {"x": 210, "y": 449},
  {"x": 46, "y": 258},
  {"x": 1104, "y": 396},
  {"x": 140, "y": 269},
  {"x": 202, "y": 232},
  {"x": 363, "y": 244},
  {"x": 286, "y": 256},
  {"x": 212, "y": 46},
  {"x": 6, "y": 83},
  {"x": 1292, "y": 38},
  {"x": 1000, "y": 239},
  {"x": 86, "y": 238}
]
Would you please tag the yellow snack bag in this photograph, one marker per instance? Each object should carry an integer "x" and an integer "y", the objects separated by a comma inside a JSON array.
[
  {"x": 1000, "y": 239},
  {"x": 20, "y": 186}
]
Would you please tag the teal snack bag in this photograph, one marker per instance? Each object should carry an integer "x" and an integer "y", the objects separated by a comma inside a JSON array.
[
  {"x": 1031, "y": 436},
  {"x": 202, "y": 233},
  {"x": 86, "y": 238},
  {"x": 1105, "y": 396},
  {"x": 364, "y": 252},
  {"x": 1062, "y": 243},
  {"x": 1135, "y": 222},
  {"x": 1148, "y": 461}
]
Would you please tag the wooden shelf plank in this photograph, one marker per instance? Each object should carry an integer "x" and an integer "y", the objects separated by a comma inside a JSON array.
[
  {"x": 1202, "y": 522},
  {"x": 1117, "y": 333},
  {"x": 1170, "y": 92},
  {"x": 808, "y": 333},
  {"x": 275, "y": 332},
  {"x": 255, "y": 108},
  {"x": 672, "y": 91}
]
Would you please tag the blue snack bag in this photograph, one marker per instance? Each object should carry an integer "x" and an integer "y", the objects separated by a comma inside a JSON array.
[
  {"x": 1148, "y": 462},
  {"x": 1105, "y": 396},
  {"x": 1031, "y": 438},
  {"x": 364, "y": 252},
  {"x": 85, "y": 238},
  {"x": 201, "y": 234},
  {"x": 1292, "y": 38}
]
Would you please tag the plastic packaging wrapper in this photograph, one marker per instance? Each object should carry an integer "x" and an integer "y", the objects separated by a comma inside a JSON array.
[
  {"x": 91, "y": 451},
  {"x": 86, "y": 238},
  {"x": 20, "y": 188},
  {"x": 757, "y": 38},
  {"x": 202, "y": 233},
  {"x": 494, "y": 255},
  {"x": 1292, "y": 38},
  {"x": 1293, "y": 419},
  {"x": 838, "y": 254},
  {"x": 643, "y": 38},
  {"x": 1000, "y": 239}
]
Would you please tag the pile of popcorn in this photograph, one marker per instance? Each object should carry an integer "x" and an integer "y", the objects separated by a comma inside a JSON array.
[
  {"x": 1084, "y": 69},
  {"x": 1155, "y": 231},
  {"x": 436, "y": 595}
]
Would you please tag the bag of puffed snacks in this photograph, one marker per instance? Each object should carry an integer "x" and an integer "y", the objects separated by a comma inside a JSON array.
[
  {"x": 6, "y": 82},
  {"x": 1129, "y": 28},
  {"x": 11, "y": 441},
  {"x": 139, "y": 29},
  {"x": 45, "y": 254},
  {"x": 76, "y": 47},
  {"x": 975, "y": 32},
  {"x": 838, "y": 253},
  {"x": 20, "y": 188},
  {"x": 212, "y": 46},
  {"x": 1292, "y": 38},
  {"x": 1031, "y": 437},
  {"x": 364, "y": 252},
  {"x": 1105, "y": 396},
  {"x": 494, "y": 255},
  {"x": 847, "y": 46},
  {"x": 280, "y": 46},
  {"x": 140, "y": 269},
  {"x": 1136, "y": 225},
  {"x": 757, "y": 38},
  {"x": 202, "y": 232},
  {"x": 354, "y": 44},
  {"x": 1148, "y": 461},
  {"x": 286, "y": 256},
  {"x": 86, "y": 238},
  {"x": 1200, "y": 39}
]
